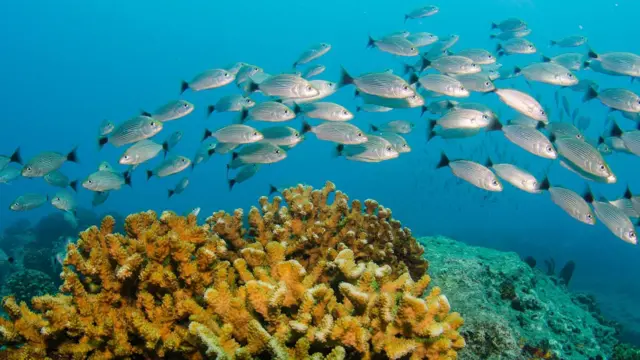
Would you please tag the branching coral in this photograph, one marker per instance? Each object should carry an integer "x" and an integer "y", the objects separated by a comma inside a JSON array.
[{"x": 311, "y": 280}]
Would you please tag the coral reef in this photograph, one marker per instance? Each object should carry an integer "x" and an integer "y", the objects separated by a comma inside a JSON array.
[
  {"x": 626, "y": 352},
  {"x": 310, "y": 280},
  {"x": 26, "y": 283},
  {"x": 514, "y": 312}
]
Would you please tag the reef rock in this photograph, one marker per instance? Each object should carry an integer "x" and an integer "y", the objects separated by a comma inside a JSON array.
[{"x": 512, "y": 311}]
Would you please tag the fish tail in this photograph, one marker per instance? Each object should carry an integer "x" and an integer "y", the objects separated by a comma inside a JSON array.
[
  {"x": 374, "y": 128},
  {"x": 145, "y": 113},
  {"x": 406, "y": 17},
  {"x": 234, "y": 156},
  {"x": 494, "y": 26},
  {"x": 615, "y": 130},
  {"x": 73, "y": 155},
  {"x": 540, "y": 125},
  {"x": 501, "y": 54},
  {"x": 586, "y": 64},
  {"x": 545, "y": 184},
  {"x": 210, "y": 110},
  {"x": 102, "y": 141},
  {"x": 244, "y": 114},
  {"x": 489, "y": 162},
  {"x": 165, "y": 147},
  {"x": 495, "y": 126},
  {"x": 127, "y": 177},
  {"x": 296, "y": 108},
  {"x": 590, "y": 94},
  {"x": 358, "y": 108},
  {"x": 170, "y": 193},
  {"x": 408, "y": 68},
  {"x": 516, "y": 70},
  {"x": 423, "y": 110},
  {"x": 149, "y": 174},
  {"x": 492, "y": 36},
  {"x": 546, "y": 58},
  {"x": 74, "y": 185},
  {"x": 425, "y": 64},
  {"x": 356, "y": 93},
  {"x": 306, "y": 127},
  {"x": 272, "y": 189},
  {"x": 16, "y": 157},
  {"x": 413, "y": 79},
  {"x": 592, "y": 54},
  {"x": 627, "y": 193},
  {"x": 211, "y": 151},
  {"x": 371, "y": 43},
  {"x": 207, "y": 134},
  {"x": 338, "y": 150},
  {"x": 552, "y": 42},
  {"x": 252, "y": 86},
  {"x": 231, "y": 183},
  {"x": 345, "y": 78},
  {"x": 295, "y": 64},
  {"x": 587, "y": 195},
  {"x": 444, "y": 161},
  {"x": 184, "y": 86},
  {"x": 431, "y": 123}
]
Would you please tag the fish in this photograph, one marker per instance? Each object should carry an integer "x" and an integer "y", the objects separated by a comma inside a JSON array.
[
  {"x": 395, "y": 126},
  {"x": 478, "y": 82},
  {"x": 375, "y": 149},
  {"x": 281, "y": 136},
  {"x": 58, "y": 179},
  {"x": 28, "y": 202},
  {"x": 171, "y": 141},
  {"x": 523, "y": 120},
  {"x": 325, "y": 88},
  {"x": 517, "y": 177},
  {"x": 223, "y": 148},
  {"x": 106, "y": 127},
  {"x": 314, "y": 70},
  {"x": 172, "y": 110},
  {"x": 105, "y": 166},
  {"x": 570, "y": 41},
  {"x": 626, "y": 205},
  {"x": 522, "y": 103},
  {"x": 180, "y": 187},
  {"x": 235, "y": 134},
  {"x": 613, "y": 218},
  {"x": 479, "y": 56},
  {"x": 210, "y": 79},
  {"x": 395, "y": 45},
  {"x": 531, "y": 140},
  {"x": 105, "y": 180},
  {"x": 271, "y": 111},
  {"x": 8, "y": 174},
  {"x": 231, "y": 103},
  {"x": 373, "y": 108},
  {"x": 140, "y": 152},
  {"x": 382, "y": 84},
  {"x": 245, "y": 173},
  {"x": 452, "y": 65},
  {"x": 312, "y": 53},
  {"x": 516, "y": 46},
  {"x": 413, "y": 101},
  {"x": 15, "y": 157},
  {"x": 398, "y": 142},
  {"x": 205, "y": 151},
  {"x": 195, "y": 211},
  {"x": 571, "y": 61},
  {"x": 633, "y": 116},
  {"x": 443, "y": 44},
  {"x": 615, "y": 98},
  {"x": 597, "y": 66},
  {"x": 170, "y": 166},
  {"x": 562, "y": 129},
  {"x": 476, "y": 174},
  {"x": 99, "y": 197},
  {"x": 64, "y": 200},
  {"x": 630, "y": 139},
  {"x": 257, "y": 153},
  {"x": 338, "y": 132},
  {"x": 548, "y": 73},
  {"x": 569, "y": 201},
  {"x": 621, "y": 63},
  {"x": 246, "y": 73},
  {"x": 236, "y": 67},
  {"x": 46, "y": 162},
  {"x": 438, "y": 107},
  {"x": 422, "y": 12},
  {"x": 479, "y": 107},
  {"x": 443, "y": 84},
  {"x": 583, "y": 158},
  {"x": 285, "y": 86},
  {"x": 133, "y": 130},
  {"x": 422, "y": 39},
  {"x": 506, "y": 35},
  {"x": 464, "y": 119},
  {"x": 326, "y": 111},
  {"x": 510, "y": 24}
]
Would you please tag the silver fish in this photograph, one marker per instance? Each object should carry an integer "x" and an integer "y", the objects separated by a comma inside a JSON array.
[
  {"x": 452, "y": 65},
  {"x": 338, "y": 132},
  {"x": 517, "y": 177},
  {"x": 314, "y": 71},
  {"x": 595, "y": 65},
  {"x": 439, "y": 107},
  {"x": 444, "y": 84},
  {"x": 326, "y": 111},
  {"x": 170, "y": 166},
  {"x": 140, "y": 152},
  {"x": 46, "y": 162},
  {"x": 99, "y": 198},
  {"x": 621, "y": 63},
  {"x": 285, "y": 86},
  {"x": 210, "y": 79},
  {"x": 530, "y": 139},
  {"x": 395, "y": 45},
  {"x": 235, "y": 68},
  {"x": 171, "y": 141},
  {"x": 257, "y": 153},
  {"x": 413, "y": 101},
  {"x": 246, "y": 73},
  {"x": 8, "y": 174},
  {"x": 626, "y": 205},
  {"x": 15, "y": 157},
  {"x": 422, "y": 39},
  {"x": 131, "y": 131},
  {"x": 231, "y": 103},
  {"x": 472, "y": 172},
  {"x": 479, "y": 56},
  {"x": 506, "y": 35},
  {"x": 63, "y": 200},
  {"x": 524, "y": 121},
  {"x": 570, "y": 41},
  {"x": 549, "y": 73},
  {"x": 106, "y": 127},
  {"x": 195, "y": 211},
  {"x": 224, "y": 148},
  {"x": 422, "y": 12},
  {"x": 375, "y": 149},
  {"x": 616, "y": 98},
  {"x": 561, "y": 129},
  {"x": 616, "y": 221},
  {"x": 105, "y": 180},
  {"x": 395, "y": 126},
  {"x": 516, "y": 46},
  {"x": 105, "y": 166},
  {"x": 510, "y": 24},
  {"x": 572, "y": 203},
  {"x": 571, "y": 61},
  {"x": 478, "y": 82},
  {"x": 325, "y": 88},
  {"x": 172, "y": 110},
  {"x": 245, "y": 173},
  {"x": 312, "y": 53},
  {"x": 58, "y": 179},
  {"x": 398, "y": 142},
  {"x": 180, "y": 187},
  {"x": 373, "y": 108},
  {"x": 28, "y": 201},
  {"x": 235, "y": 134},
  {"x": 464, "y": 119},
  {"x": 282, "y": 136},
  {"x": 270, "y": 111},
  {"x": 522, "y": 103},
  {"x": 584, "y": 157},
  {"x": 379, "y": 84}
]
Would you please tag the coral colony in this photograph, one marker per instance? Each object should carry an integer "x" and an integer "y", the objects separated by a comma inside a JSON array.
[{"x": 312, "y": 279}]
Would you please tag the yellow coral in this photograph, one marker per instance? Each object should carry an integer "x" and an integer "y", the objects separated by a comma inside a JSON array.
[{"x": 313, "y": 279}]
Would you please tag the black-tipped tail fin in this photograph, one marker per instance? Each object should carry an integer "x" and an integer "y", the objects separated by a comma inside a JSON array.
[
  {"x": 413, "y": 79},
  {"x": 74, "y": 185},
  {"x": 231, "y": 183},
  {"x": 592, "y": 54},
  {"x": 552, "y": 43},
  {"x": 495, "y": 125},
  {"x": 244, "y": 114},
  {"x": 425, "y": 64},
  {"x": 374, "y": 128},
  {"x": 371, "y": 43},
  {"x": 207, "y": 134},
  {"x": 72, "y": 156},
  {"x": 615, "y": 130},
  {"x": 345, "y": 78},
  {"x": 102, "y": 141},
  {"x": 145, "y": 113},
  {"x": 149, "y": 174},
  {"x": 127, "y": 177},
  {"x": 590, "y": 94},
  {"x": 272, "y": 189},
  {"x": 587, "y": 195},
  {"x": 444, "y": 161},
  {"x": 16, "y": 157},
  {"x": 516, "y": 70},
  {"x": 546, "y": 59},
  {"x": 183, "y": 86},
  {"x": 170, "y": 193},
  {"x": 545, "y": 184},
  {"x": 423, "y": 110},
  {"x": 210, "y": 110},
  {"x": 627, "y": 193},
  {"x": 306, "y": 127}
]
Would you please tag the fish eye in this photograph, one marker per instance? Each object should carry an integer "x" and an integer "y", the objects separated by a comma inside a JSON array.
[
  {"x": 185, "y": 105},
  {"x": 473, "y": 65},
  {"x": 389, "y": 148},
  {"x": 286, "y": 112},
  {"x": 579, "y": 136},
  {"x": 601, "y": 167},
  {"x": 183, "y": 160},
  {"x": 248, "y": 101},
  {"x": 569, "y": 75},
  {"x": 405, "y": 87},
  {"x": 153, "y": 123},
  {"x": 542, "y": 112},
  {"x": 344, "y": 112},
  {"x": 530, "y": 46},
  {"x": 226, "y": 74},
  {"x": 28, "y": 168},
  {"x": 297, "y": 134},
  {"x": 632, "y": 234},
  {"x": 277, "y": 151},
  {"x": 90, "y": 181},
  {"x": 494, "y": 183},
  {"x": 255, "y": 133},
  {"x": 126, "y": 157},
  {"x": 487, "y": 83},
  {"x": 359, "y": 134},
  {"x": 413, "y": 49},
  {"x": 484, "y": 116},
  {"x": 549, "y": 149},
  {"x": 309, "y": 88}
]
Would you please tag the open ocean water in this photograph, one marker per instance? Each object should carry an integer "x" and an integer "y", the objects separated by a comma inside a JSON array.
[{"x": 67, "y": 65}]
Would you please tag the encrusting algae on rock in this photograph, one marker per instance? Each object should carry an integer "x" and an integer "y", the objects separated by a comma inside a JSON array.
[{"x": 309, "y": 280}]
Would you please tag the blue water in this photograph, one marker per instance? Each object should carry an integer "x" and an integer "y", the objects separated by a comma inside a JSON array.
[{"x": 67, "y": 65}]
